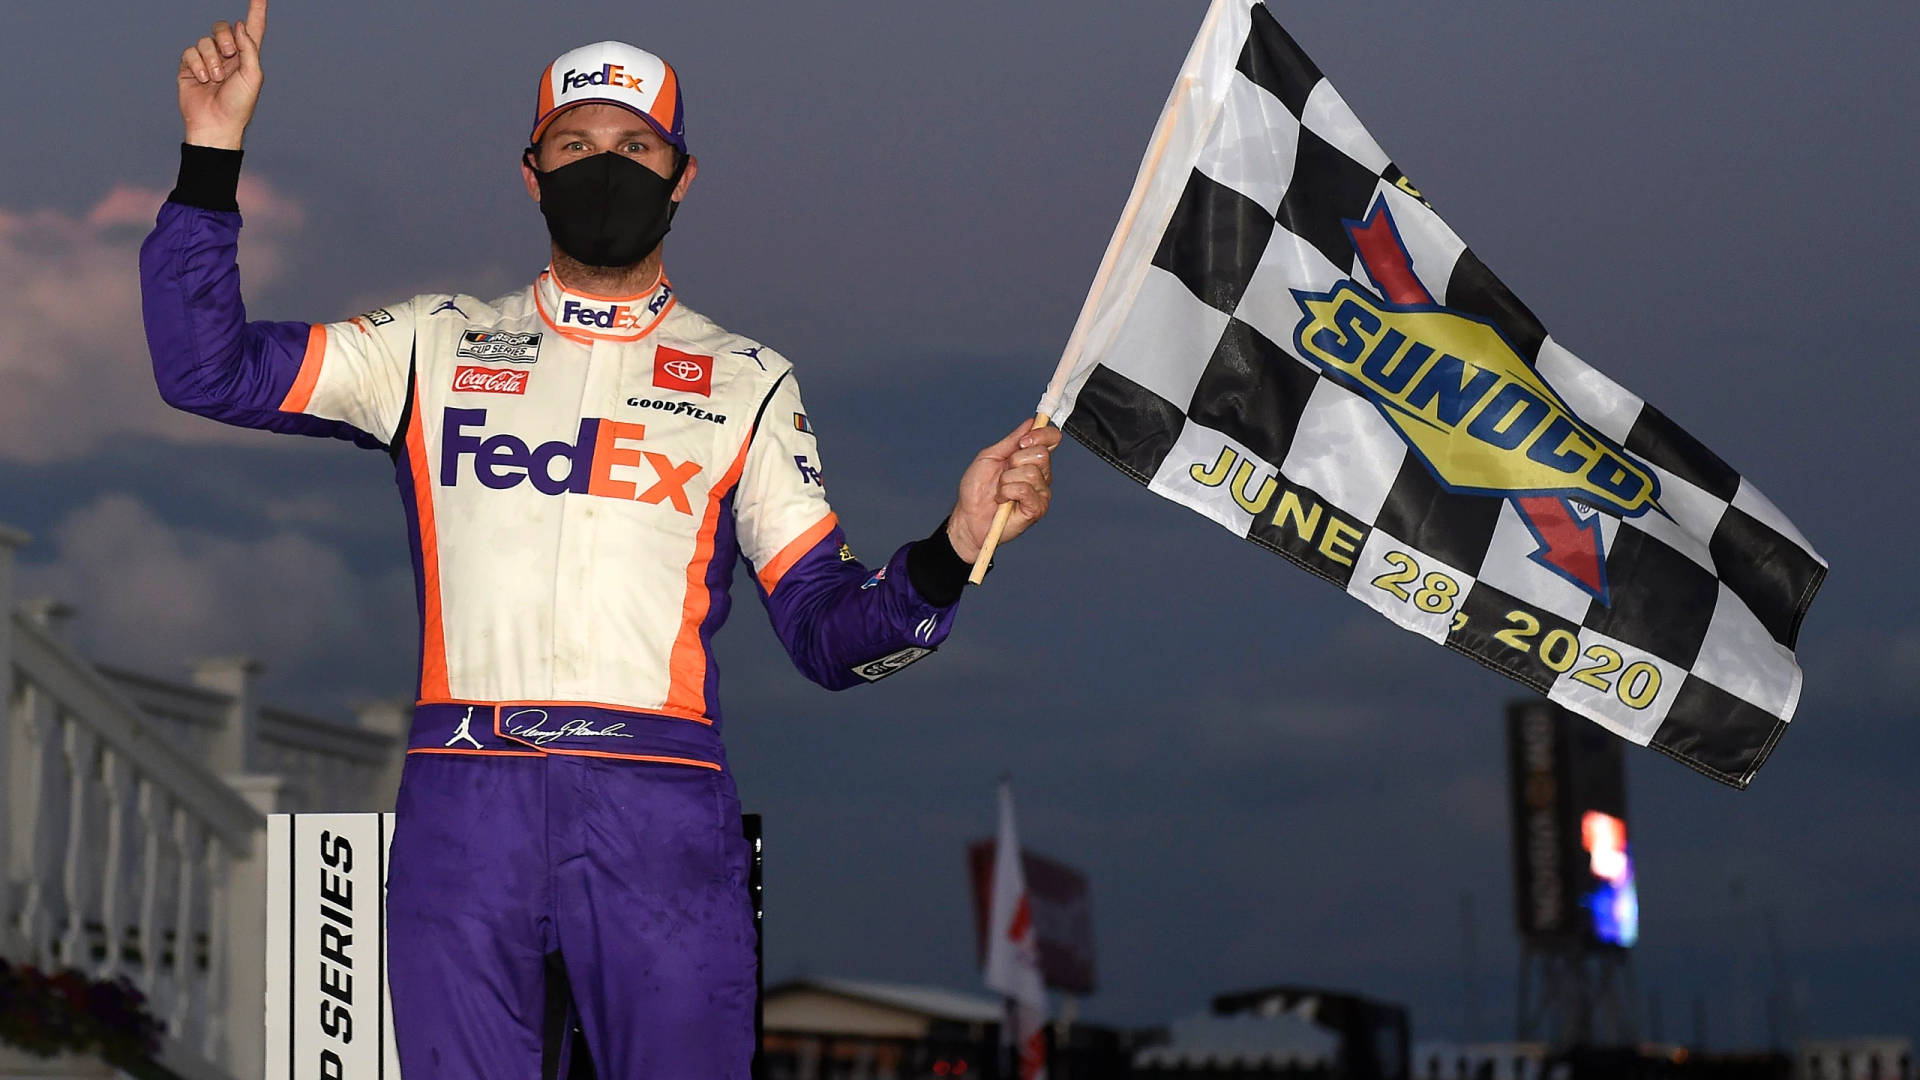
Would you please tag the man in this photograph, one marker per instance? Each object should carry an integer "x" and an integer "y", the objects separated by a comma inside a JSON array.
[{"x": 581, "y": 463}]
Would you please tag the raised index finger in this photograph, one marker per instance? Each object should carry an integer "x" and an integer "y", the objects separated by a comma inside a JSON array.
[{"x": 257, "y": 20}]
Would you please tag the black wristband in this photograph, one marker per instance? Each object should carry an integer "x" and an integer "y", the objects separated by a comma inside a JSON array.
[
  {"x": 936, "y": 571},
  {"x": 209, "y": 178}
]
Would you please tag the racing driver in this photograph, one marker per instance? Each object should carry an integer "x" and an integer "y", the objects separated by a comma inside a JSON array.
[{"x": 581, "y": 463}]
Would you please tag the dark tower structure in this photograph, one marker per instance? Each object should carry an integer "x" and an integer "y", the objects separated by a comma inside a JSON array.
[{"x": 1574, "y": 892}]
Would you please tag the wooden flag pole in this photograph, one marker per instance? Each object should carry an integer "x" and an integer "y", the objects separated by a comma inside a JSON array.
[
  {"x": 1000, "y": 517},
  {"x": 1071, "y": 355}
]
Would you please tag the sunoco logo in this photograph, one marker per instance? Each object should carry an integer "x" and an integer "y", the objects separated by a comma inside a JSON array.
[{"x": 1479, "y": 416}]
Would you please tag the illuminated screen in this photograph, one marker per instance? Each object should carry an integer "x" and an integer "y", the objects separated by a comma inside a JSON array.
[{"x": 1611, "y": 899}]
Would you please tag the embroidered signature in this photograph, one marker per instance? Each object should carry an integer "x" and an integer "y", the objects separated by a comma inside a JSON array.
[{"x": 534, "y": 733}]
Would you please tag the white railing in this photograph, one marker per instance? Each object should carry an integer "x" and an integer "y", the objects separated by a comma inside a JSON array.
[
  {"x": 122, "y": 852},
  {"x": 133, "y": 843},
  {"x": 323, "y": 765}
]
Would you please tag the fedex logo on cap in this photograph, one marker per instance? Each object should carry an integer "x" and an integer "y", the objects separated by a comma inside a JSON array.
[
  {"x": 610, "y": 75},
  {"x": 585, "y": 466},
  {"x": 614, "y": 72}
]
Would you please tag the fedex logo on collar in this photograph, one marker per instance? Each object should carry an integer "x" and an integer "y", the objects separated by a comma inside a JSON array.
[
  {"x": 611, "y": 75},
  {"x": 611, "y": 316},
  {"x": 582, "y": 467}
]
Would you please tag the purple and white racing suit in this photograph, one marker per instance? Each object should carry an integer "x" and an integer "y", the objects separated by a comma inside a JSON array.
[{"x": 579, "y": 474}]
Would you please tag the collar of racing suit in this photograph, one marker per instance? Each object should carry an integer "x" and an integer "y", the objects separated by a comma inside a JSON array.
[{"x": 586, "y": 317}]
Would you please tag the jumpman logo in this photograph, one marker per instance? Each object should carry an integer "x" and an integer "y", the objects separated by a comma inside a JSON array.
[
  {"x": 465, "y": 731},
  {"x": 752, "y": 354},
  {"x": 446, "y": 304}
]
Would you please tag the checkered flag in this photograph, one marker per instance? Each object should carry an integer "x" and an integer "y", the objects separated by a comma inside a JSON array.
[{"x": 1286, "y": 338}]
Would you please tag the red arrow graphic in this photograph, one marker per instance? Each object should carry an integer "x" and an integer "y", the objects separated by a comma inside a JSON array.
[
  {"x": 1386, "y": 258},
  {"x": 1568, "y": 546}
]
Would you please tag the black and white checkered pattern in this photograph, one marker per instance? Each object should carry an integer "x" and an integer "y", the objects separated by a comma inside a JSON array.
[{"x": 1197, "y": 389}]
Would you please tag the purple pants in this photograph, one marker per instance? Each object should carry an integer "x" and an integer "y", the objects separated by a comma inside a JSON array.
[{"x": 525, "y": 889}]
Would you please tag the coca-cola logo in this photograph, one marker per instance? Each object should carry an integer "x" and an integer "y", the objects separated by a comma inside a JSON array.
[{"x": 481, "y": 380}]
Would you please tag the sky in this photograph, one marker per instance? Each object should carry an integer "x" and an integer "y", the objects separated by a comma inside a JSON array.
[{"x": 1265, "y": 782}]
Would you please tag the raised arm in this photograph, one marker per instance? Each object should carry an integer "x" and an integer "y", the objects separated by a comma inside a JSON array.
[{"x": 207, "y": 359}]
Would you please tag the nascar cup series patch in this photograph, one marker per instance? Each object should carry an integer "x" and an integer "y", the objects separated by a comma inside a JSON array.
[{"x": 500, "y": 345}]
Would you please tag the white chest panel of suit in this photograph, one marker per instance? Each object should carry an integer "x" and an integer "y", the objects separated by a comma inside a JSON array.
[{"x": 579, "y": 473}]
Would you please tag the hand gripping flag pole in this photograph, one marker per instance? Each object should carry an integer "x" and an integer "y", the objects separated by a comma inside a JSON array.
[
  {"x": 1286, "y": 338},
  {"x": 1000, "y": 516}
]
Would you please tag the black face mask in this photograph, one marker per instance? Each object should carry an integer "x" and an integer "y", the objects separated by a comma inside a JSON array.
[{"x": 608, "y": 209}]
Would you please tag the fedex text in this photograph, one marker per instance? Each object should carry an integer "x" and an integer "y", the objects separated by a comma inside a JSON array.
[{"x": 586, "y": 466}]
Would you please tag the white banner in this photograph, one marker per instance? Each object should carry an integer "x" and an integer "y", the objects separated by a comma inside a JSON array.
[{"x": 328, "y": 1012}]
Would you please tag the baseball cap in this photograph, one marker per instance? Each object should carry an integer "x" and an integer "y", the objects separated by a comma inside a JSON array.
[{"x": 618, "y": 74}]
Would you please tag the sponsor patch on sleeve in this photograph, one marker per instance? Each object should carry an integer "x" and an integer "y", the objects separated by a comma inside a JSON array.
[
  {"x": 801, "y": 423},
  {"x": 875, "y": 670},
  {"x": 378, "y": 317}
]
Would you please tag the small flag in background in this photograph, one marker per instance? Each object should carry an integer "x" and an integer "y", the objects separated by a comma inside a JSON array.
[
  {"x": 1013, "y": 947},
  {"x": 1286, "y": 338}
]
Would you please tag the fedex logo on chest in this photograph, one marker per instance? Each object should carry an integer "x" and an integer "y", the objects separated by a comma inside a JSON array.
[{"x": 586, "y": 466}]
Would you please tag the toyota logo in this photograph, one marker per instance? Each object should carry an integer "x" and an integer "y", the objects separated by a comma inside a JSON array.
[{"x": 684, "y": 370}]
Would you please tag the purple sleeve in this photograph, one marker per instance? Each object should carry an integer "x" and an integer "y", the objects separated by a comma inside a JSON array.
[
  {"x": 845, "y": 625},
  {"x": 207, "y": 359}
]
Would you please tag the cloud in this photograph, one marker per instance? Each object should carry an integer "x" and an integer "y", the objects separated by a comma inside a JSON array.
[
  {"x": 73, "y": 357},
  {"x": 156, "y": 597}
]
